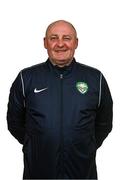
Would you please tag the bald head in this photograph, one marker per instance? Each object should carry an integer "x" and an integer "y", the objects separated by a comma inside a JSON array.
[
  {"x": 61, "y": 41},
  {"x": 61, "y": 22}
]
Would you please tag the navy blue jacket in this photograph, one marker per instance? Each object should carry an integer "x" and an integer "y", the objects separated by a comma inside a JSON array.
[{"x": 61, "y": 116}]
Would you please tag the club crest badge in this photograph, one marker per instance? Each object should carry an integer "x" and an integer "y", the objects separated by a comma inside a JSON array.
[{"x": 82, "y": 87}]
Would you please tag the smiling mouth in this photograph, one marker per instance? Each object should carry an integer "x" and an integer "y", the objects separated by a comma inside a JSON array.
[{"x": 59, "y": 51}]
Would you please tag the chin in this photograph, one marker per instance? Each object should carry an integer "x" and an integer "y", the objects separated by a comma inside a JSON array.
[{"x": 61, "y": 61}]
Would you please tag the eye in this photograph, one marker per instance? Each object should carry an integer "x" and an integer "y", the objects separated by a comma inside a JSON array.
[
  {"x": 52, "y": 38},
  {"x": 67, "y": 38}
]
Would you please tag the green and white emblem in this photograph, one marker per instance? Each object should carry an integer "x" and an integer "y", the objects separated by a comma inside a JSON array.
[{"x": 82, "y": 87}]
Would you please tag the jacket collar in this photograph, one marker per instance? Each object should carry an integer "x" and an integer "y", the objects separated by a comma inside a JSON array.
[{"x": 66, "y": 70}]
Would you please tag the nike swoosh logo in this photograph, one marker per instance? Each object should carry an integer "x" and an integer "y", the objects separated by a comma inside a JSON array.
[{"x": 39, "y": 90}]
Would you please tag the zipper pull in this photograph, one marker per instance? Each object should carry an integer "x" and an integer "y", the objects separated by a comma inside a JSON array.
[{"x": 61, "y": 76}]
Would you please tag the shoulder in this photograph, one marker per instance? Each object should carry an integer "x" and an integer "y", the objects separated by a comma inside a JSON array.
[
  {"x": 89, "y": 74},
  {"x": 87, "y": 69},
  {"x": 31, "y": 73},
  {"x": 33, "y": 68}
]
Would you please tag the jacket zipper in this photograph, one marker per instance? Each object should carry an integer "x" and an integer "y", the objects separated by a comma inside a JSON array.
[{"x": 61, "y": 126}]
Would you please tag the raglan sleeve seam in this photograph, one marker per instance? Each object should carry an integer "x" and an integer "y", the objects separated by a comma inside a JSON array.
[
  {"x": 100, "y": 89},
  {"x": 23, "y": 87}
]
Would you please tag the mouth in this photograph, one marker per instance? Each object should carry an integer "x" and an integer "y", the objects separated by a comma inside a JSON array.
[{"x": 60, "y": 50}]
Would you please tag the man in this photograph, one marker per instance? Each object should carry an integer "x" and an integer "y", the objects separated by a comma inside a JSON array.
[{"x": 60, "y": 110}]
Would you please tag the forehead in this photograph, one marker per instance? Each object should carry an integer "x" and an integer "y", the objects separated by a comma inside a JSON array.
[{"x": 61, "y": 28}]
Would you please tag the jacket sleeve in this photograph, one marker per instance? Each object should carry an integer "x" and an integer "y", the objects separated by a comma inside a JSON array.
[
  {"x": 16, "y": 109},
  {"x": 103, "y": 123}
]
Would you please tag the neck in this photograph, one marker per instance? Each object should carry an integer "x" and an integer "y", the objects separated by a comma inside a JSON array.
[{"x": 59, "y": 65}]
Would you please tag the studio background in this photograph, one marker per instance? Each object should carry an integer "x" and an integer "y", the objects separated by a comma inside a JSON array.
[{"x": 22, "y": 28}]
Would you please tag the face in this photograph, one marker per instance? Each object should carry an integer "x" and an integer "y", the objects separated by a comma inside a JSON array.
[{"x": 61, "y": 42}]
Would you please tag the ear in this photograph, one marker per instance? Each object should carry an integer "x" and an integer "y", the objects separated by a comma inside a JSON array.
[
  {"x": 45, "y": 42},
  {"x": 76, "y": 44}
]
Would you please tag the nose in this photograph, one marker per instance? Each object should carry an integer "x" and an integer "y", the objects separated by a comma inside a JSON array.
[{"x": 60, "y": 43}]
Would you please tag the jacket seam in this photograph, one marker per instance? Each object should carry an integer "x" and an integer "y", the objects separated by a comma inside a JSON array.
[
  {"x": 100, "y": 88},
  {"x": 23, "y": 87}
]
